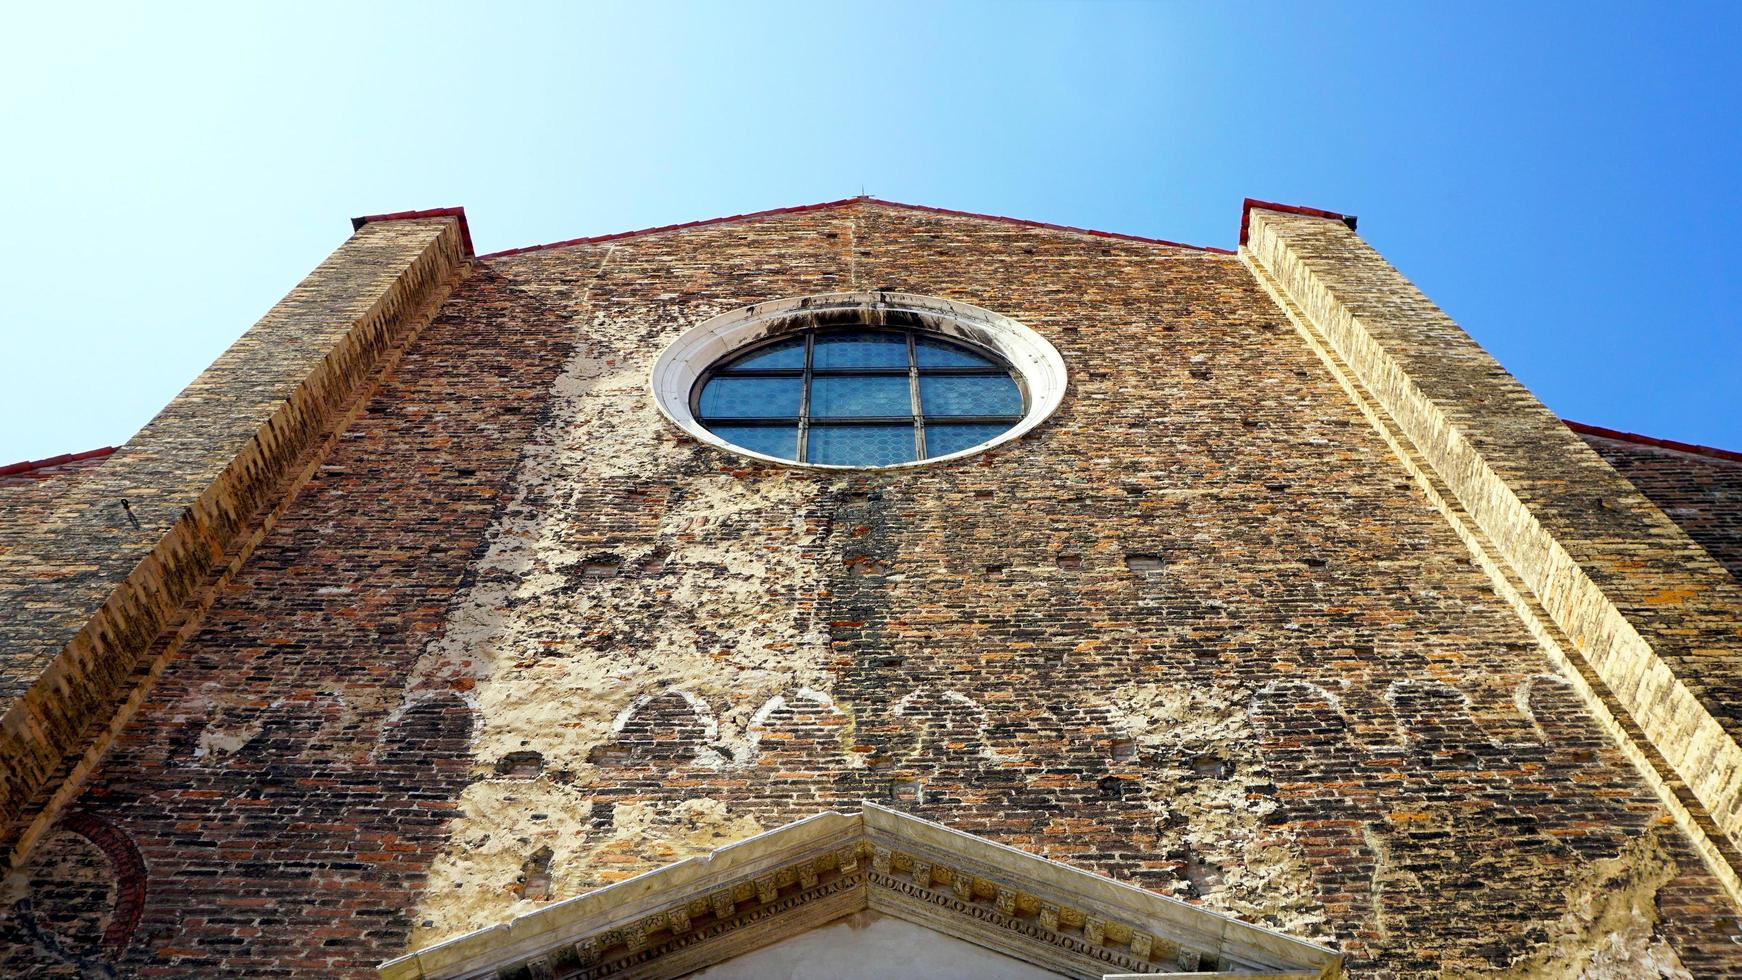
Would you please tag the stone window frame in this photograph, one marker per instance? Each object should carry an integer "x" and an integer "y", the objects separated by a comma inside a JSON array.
[{"x": 1033, "y": 361}]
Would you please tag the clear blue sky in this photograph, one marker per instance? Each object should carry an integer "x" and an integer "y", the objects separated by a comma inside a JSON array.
[{"x": 1562, "y": 179}]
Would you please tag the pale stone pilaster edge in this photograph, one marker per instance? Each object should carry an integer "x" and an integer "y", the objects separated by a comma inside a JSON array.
[
  {"x": 160, "y": 600},
  {"x": 1617, "y": 670}
]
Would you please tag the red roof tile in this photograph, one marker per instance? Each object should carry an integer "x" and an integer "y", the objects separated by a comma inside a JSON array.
[{"x": 596, "y": 239}]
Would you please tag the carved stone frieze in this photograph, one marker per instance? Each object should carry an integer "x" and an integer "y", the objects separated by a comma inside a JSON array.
[
  {"x": 707, "y": 910},
  {"x": 1021, "y": 928},
  {"x": 634, "y": 960}
]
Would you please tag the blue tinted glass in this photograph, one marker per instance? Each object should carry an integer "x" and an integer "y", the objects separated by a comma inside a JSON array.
[
  {"x": 858, "y": 349},
  {"x": 860, "y": 397},
  {"x": 748, "y": 398},
  {"x": 785, "y": 355},
  {"x": 974, "y": 394},
  {"x": 941, "y": 353},
  {"x": 769, "y": 440},
  {"x": 861, "y": 445},
  {"x": 942, "y": 440}
]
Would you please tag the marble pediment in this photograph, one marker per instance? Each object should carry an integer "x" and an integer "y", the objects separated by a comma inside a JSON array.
[{"x": 847, "y": 869}]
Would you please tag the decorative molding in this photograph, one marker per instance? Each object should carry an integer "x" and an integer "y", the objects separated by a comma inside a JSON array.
[
  {"x": 129, "y": 869},
  {"x": 709, "y": 909},
  {"x": 678, "y": 367},
  {"x": 159, "y": 528}
]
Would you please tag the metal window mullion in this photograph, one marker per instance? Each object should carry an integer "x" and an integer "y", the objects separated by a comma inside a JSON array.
[
  {"x": 913, "y": 397},
  {"x": 916, "y": 405},
  {"x": 860, "y": 420},
  {"x": 712, "y": 420},
  {"x": 804, "y": 400},
  {"x": 975, "y": 419}
]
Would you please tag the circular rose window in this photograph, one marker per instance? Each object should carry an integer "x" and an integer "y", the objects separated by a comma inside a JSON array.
[{"x": 859, "y": 380}]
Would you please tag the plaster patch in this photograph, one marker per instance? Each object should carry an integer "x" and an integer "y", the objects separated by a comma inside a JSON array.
[
  {"x": 568, "y": 627},
  {"x": 477, "y": 882},
  {"x": 1216, "y": 817},
  {"x": 1608, "y": 931}
]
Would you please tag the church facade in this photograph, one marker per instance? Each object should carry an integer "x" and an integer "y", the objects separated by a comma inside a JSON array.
[{"x": 632, "y": 605}]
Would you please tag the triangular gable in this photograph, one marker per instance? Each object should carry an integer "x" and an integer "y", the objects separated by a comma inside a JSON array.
[
  {"x": 861, "y": 201},
  {"x": 862, "y": 946},
  {"x": 711, "y": 908}
]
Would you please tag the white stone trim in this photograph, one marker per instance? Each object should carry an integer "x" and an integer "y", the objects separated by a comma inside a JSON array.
[
  {"x": 678, "y": 367},
  {"x": 707, "y": 909}
]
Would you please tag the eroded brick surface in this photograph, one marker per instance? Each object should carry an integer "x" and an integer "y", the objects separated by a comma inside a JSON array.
[
  {"x": 57, "y": 469},
  {"x": 1198, "y": 632},
  {"x": 30, "y": 495},
  {"x": 1647, "y": 619},
  {"x": 57, "y": 927}
]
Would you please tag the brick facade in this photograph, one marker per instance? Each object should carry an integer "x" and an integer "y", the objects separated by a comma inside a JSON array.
[
  {"x": 1227, "y": 626},
  {"x": 104, "y": 587},
  {"x": 1700, "y": 490}
]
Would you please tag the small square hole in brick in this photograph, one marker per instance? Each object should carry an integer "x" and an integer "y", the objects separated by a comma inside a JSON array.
[{"x": 1143, "y": 564}]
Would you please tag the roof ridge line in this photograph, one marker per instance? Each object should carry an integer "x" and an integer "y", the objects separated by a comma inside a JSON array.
[
  {"x": 861, "y": 199},
  {"x": 1619, "y": 435},
  {"x": 29, "y": 465}
]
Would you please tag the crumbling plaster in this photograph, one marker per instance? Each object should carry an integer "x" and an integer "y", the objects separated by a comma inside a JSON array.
[
  {"x": 562, "y": 625},
  {"x": 1200, "y": 631},
  {"x": 715, "y": 603}
]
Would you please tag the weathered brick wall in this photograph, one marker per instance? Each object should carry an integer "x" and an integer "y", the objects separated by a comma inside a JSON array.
[
  {"x": 1201, "y": 632},
  {"x": 120, "y": 558},
  {"x": 286, "y": 802},
  {"x": 1652, "y": 618},
  {"x": 74, "y": 903},
  {"x": 30, "y": 492},
  {"x": 1701, "y": 493}
]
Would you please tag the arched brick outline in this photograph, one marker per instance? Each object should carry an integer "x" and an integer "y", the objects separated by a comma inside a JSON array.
[
  {"x": 667, "y": 726},
  {"x": 129, "y": 868}
]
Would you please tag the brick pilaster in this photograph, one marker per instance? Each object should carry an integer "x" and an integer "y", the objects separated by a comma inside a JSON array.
[
  {"x": 107, "y": 583},
  {"x": 1654, "y": 617}
]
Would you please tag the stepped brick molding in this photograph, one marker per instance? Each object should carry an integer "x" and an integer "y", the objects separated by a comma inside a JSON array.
[
  {"x": 96, "y": 593},
  {"x": 1648, "y": 610}
]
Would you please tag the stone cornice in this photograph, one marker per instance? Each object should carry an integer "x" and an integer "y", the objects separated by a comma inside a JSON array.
[{"x": 711, "y": 908}]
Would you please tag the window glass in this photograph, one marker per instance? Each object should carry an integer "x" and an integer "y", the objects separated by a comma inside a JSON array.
[
  {"x": 876, "y": 395},
  {"x": 931, "y": 352},
  {"x": 860, "y": 349},
  {"x": 769, "y": 440},
  {"x": 814, "y": 396},
  {"x": 749, "y": 398},
  {"x": 785, "y": 354},
  {"x": 861, "y": 445},
  {"x": 971, "y": 394},
  {"x": 942, "y": 439}
]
